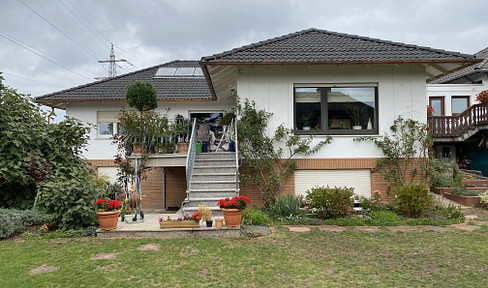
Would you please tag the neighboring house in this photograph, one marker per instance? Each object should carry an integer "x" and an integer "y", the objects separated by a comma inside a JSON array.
[
  {"x": 314, "y": 81},
  {"x": 454, "y": 94}
]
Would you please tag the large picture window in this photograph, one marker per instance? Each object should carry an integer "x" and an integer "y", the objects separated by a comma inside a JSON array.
[{"x": 336, "y": 109}]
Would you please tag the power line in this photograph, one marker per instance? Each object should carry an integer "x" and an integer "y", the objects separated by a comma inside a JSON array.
[
  {"x": 12, "y": 40},
  {"x": 6, "y": 73},
  {"x": 47, "y": 54},
  {"x": 82, "y": 23},
  {"x": 57, "y": 29}
]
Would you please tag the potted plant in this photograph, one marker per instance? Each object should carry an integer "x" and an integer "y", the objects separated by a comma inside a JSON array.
[
  {"x": 206, "y": 214},
  {"x": 185, "y": 221},
  {"x": 227, "y": 118},
  {"x": 482, "y": 97},
  {"x": 232, "y": 209},
  {"x": 181, "y": 131},
  {"x": 108, "y": 213},
  {"x": 354, "y": 112},
  {"x": 306, "y": 122}
]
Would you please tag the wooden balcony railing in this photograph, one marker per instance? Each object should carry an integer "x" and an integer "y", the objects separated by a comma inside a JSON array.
[{"x": 454, "y": 126}]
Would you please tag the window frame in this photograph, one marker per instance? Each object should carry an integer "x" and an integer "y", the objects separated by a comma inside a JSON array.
[
  {"x": 115, "y": 125},
  {"x": 468, "y": 104},
  {"x": 324, "y": 110}
]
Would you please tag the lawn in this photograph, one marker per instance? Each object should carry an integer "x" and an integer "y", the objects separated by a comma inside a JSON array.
[{"x": 316, "y": 259}]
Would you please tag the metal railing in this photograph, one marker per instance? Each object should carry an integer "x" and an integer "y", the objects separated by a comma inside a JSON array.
[
  {"x": 190, "y": 159},
  {"x": 454, "y": 126},
  {"x": 237, "y": 157}
]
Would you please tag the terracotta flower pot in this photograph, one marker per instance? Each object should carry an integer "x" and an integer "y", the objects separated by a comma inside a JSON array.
[
  {"x": 108, "y": 220},
  {"x": 182, "y": 148},
  {"x": 219, "y": 223},
  {"x": 137, "y": 148},
  {"x": 232, "y": 217}
]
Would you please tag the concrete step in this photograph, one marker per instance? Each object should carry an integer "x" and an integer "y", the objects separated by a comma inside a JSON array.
[
  {"x": 216, "y": 211},
  {"x": 214, "y": 162},
  {"x": 213, "y": 184},
  {"x": 214, "y": 177},
  {"x": 224, "y": 155},
  {"x": 209, "y": 202},
  {"x": 214, "y": 169},
  {"x": 212, "y": 193}
]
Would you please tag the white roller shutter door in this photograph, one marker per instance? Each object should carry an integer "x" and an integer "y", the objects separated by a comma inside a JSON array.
[{"x": 359, "y": 179}]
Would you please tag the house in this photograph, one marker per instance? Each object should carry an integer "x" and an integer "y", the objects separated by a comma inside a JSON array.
[
  {"x": 314, "y": 81},
  {"x": 453, "y": 96}
]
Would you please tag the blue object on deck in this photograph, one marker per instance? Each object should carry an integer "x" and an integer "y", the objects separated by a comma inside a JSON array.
[
  {"x": 232, "y": 146},
  {"x": 204, "y": 146}
]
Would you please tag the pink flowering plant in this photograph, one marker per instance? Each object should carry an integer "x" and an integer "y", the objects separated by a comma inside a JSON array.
[
  {"x": 482, "y": 97},
  {"x": 374, "y": 203},
  {"x": 186, "y": 217}
]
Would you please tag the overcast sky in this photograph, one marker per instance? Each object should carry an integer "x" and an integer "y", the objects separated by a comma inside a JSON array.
[{"x": 72, "y": 35}]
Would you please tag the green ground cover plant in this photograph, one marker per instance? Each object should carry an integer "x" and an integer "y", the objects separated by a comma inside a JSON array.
[{"x": 352, "y": 259}]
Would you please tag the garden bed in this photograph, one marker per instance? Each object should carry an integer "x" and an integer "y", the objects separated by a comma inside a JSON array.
[{"x": 472, "y": 201}]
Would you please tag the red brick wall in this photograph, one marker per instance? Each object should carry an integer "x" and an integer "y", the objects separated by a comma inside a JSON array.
[{"x": 175, "y": 186}]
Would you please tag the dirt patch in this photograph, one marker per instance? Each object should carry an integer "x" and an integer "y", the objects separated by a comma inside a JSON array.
[
  {"x": 367, "y": 228},
  {"x": 42, "y": 269},
  {"x": 332, "y": 228},
  {"x": 149, "y": 247},
  {"x": 402, "y": 228},
  {"x": 299, "y": 229},
  {"x": 102, "y": 256}
]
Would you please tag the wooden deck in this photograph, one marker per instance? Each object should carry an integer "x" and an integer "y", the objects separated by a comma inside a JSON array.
[{"x": 455, "y": 126}]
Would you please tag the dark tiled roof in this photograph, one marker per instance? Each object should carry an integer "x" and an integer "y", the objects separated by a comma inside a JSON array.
[
  {"x": 114, "y": 89},
  {"x": 481, "y": 67},
  {"x": 320, "y": 46}
]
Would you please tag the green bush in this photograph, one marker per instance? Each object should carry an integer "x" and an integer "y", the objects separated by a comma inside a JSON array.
[
  {"x": 385, "y": 218},
  {"x": 13, "y": 220},
  {"x": 330, "y": 202},
  {"x": 255, "y": 216},
  {"x": 286, "y": 206},
  {"x": 69, "y": 198},
  {"x": 484, "y": 198},
  {"x": 412, "y": 200},
  {"x": 141, "y": 95},
  {"x": 463, "y": 191}
]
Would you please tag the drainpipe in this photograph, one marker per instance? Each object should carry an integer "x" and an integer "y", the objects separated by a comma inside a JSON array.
[{"x": 164, "y": 188}]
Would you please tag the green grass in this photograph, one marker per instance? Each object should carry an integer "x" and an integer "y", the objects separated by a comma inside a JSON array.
[{"x": 315, "y": 259}]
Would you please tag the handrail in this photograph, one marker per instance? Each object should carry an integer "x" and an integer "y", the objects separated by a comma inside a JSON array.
[
  {"x": 190, "y": 159},
  {"x": 237, "y": 156},
  {"x": 453, "y": 126}
]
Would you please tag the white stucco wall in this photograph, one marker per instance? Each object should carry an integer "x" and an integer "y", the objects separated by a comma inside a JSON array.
[
  {"x": 102, "y": 148},
  {"x": 447, "y": 91},
  {"x": 401, "y": 91}
]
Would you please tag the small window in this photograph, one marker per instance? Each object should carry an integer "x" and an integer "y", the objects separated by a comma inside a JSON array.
[
  {"x": 107, "y": 123},
  {"x": 336, "y": 110},
  {"x": 459, "y": 104}
]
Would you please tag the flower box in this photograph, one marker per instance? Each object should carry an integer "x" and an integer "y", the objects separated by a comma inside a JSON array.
[
  {"x": 178, "y": 224},
  {"x": 472, "y": 201}
]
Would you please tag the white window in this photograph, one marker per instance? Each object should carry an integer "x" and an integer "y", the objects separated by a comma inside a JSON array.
[{"x": 107, "y": 123}]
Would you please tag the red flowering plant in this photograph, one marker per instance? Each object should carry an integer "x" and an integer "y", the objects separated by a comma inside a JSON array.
[
  {"x": 238, "y": 202},
  {"x": 430, "y": 110},
  {"x": 482, "y": 97},
  {"x": 106, "y": 205}
]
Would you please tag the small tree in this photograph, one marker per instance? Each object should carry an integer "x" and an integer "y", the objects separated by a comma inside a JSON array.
[
  {"x": 405, "y": 149},
  {"x": 141, "y": 96},
  {"x": 264, "y": 155}
]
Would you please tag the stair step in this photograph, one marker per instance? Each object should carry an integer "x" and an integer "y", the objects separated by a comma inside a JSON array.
[{"x": 214, "y": 169}]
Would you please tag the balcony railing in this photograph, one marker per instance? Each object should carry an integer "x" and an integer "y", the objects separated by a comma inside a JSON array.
[{"x": 454, "y": 126}]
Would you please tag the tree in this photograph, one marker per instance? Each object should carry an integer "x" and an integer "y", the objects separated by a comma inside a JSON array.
[
  {"x": 265, "y": 155},
  {"x": 141, "y": 95},
  {"x": 25, "y": 134}
]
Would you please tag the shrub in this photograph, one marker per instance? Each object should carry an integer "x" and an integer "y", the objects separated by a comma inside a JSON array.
[
  {"x": 13, "y": 220},
  {"x": 330, "y": 202},
  {"x": 484, "y": 198},
  {"x": 141, "y": 95},
  {"x": 463, "y": 191},
  {"x": 69, "y": 198},
  {"x": 413, "y": 199},
  {"x": 287, "y": 205},
  {"x": 385, "y": 218},
  {"x": 255, "y": 216}
]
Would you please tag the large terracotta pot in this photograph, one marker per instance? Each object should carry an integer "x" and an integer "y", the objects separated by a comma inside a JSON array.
[
  {"x": 232, "y": 217},
  {"x": 182, "y": 148},
  {"x": 108, "y": 220},
  {"x": 138, "y": 148}
]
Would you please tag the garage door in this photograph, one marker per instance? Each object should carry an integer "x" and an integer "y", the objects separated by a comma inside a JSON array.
[{"x": 360, "y": 180}]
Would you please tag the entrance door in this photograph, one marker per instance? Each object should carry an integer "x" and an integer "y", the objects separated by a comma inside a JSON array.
[{"x": 438, "y": 104}]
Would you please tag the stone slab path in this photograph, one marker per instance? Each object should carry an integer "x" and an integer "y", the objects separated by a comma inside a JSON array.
[{"x": 470, "y": 224}]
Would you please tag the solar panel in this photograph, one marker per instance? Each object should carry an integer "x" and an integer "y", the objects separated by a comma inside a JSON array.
[{"x": 179, "y": 72}]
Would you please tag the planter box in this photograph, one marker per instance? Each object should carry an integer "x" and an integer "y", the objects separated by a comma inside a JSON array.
[
  {"x": 178, "y": 224},
  {"x": 441, "y": 190},
  {"x": 474, "y": 201}
]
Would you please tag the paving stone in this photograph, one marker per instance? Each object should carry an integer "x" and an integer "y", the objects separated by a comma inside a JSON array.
[
  {"x": 402, "y": 228},
  {"x": 470, "y": 217},
  {"x": 435, "y": 228},
  {"x": 465, "y": 227},
  {"x": 367, "y": 228},
  {"x": 299, "y": 229},
  {"x": 42, "y": 269},
  {"x": 332, "y": 228}
]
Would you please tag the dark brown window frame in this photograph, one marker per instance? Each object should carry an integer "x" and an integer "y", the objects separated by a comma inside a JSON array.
[
  {"x": 460, "y": 97},
  {"x": 324, "y": 109},
  {"x": 443, "y": 104}
]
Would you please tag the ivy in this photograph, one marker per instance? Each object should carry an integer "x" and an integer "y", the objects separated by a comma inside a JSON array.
[{"x": 269, "y": 158}]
